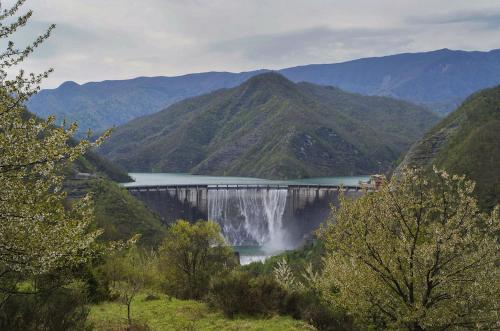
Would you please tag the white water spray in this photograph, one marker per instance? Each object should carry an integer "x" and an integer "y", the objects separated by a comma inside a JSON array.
[{"x": 250, "y": 216}]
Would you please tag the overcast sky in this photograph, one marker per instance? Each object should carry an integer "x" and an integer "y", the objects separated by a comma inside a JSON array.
[{"x": 116, "y": 39}]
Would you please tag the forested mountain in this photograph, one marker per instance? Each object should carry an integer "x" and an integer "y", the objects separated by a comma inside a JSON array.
[
  {"x": 271, "y": 127},
  {"x": 466, "y": 142},
  {"x": 440, "y": 80},
  {"x": 101, "y": 105}
]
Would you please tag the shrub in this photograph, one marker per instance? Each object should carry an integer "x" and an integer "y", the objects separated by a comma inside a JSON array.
[
  {"x": 267, "y": 296},
  {"x": 61, "y": 309},
  {"x": 240, "y": 293},
  {"x": 128, "y": 272},
  {"x": 190, "y": 256},
  {"x": 95, "y": 282},
  {"x": 322, "y": 316},
  {"x": 151, "y": 297},
  {"x": 231, "y": 294}
]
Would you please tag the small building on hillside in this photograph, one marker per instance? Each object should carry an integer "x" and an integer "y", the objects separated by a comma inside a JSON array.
[{"x": 374, "y": 183}]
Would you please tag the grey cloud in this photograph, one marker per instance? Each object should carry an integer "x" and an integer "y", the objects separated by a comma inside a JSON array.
[
  {"x": 114, "y": 39},
  {"x": 311, "y": 42},
  {"x": 488, "y": 18},
  {"x": 64, "y": 38}
]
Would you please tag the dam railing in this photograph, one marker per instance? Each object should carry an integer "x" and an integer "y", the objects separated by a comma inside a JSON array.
[{"x": 245, "y": 187}]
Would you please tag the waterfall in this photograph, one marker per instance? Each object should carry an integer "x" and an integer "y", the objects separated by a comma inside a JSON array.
[{"x": 249, "y": 216}]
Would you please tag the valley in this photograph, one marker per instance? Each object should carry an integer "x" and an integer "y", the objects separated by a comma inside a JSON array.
[{"x": 321, "y": 166}]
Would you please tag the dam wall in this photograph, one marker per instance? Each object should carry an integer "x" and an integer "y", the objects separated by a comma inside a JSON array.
[
  {"x": 172, "y": 203},
  {"x": 249, "y": 215}
]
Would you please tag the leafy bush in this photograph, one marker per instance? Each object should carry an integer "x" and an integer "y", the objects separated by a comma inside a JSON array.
[
  {"x": 95, "y": 282},
  {"x": 58, "y": 310},
  {"x": 322, "y": 316},
  {"x": 128, "y": 272},
  {"x": 190, "y": 256},
  {"x": 151, "y": 297},
  {"x": 240, "y": 293}
]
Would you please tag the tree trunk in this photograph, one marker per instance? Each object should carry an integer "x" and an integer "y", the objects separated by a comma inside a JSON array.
[{"x": 128, "y": 313}]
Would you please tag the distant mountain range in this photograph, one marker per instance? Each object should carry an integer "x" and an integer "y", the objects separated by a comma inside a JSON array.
[
  {"x": 466, "y": 142},
  {"x": 439, "y": 80},
  {"x": 270, "y": 127}
]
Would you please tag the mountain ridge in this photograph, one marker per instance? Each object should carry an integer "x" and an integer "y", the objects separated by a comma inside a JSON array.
[
  {"x": 268, "y": 127},
  {"x": 439, "y": 80}
]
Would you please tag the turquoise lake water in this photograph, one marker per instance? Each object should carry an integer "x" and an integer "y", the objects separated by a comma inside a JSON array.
[{"x": 143, "y": 179}]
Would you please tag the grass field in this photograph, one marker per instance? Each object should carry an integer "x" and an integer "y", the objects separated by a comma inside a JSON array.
[{"x": 164, "y": 314}]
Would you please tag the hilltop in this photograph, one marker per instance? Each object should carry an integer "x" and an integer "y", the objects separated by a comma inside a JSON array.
[{"x": 273, "y": 128}]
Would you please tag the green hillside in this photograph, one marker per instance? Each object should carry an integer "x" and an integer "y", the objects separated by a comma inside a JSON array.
[
  {"x": 117, "y": 212},
  {"x": 467, "y": 142},
  {"x": 271, "y": 127},
  {"x": 94, "y": 164},
  {"x": 121, "y": 215}
]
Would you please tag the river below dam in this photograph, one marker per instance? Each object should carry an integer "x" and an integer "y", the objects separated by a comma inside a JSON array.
[{"x": 257, "y": 222}]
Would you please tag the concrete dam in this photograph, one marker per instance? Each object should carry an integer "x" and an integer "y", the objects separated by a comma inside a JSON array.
[{"x": 276, "y": 216}]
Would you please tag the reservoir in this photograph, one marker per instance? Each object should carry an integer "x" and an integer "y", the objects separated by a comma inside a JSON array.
[{"x": 143, "y": 179}]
